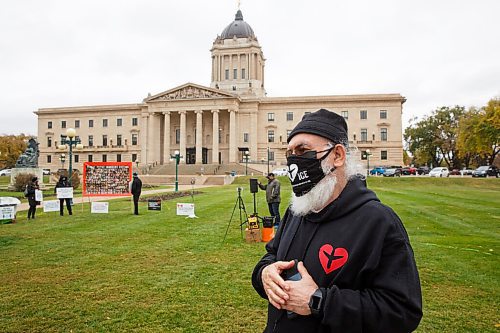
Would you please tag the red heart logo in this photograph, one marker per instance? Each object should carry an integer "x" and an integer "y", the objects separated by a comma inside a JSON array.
[{"x": 328, "y": 260}]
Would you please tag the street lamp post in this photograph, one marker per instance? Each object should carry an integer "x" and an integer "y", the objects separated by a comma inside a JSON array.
[
  {"x": 367, "y": 155},
  {"x": 246, "y": 162},
  {"x": 70, "y": 140},
  {"x": 63, "y": 159},
  {"x": 267, "y": 160},
  {"x": 177, "y": 157}
]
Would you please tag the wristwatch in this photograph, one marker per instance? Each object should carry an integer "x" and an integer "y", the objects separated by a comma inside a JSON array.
[{"x": 316, "y": 302}]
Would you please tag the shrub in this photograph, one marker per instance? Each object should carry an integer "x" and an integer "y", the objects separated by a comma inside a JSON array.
[{"x": 22, "y": 180}]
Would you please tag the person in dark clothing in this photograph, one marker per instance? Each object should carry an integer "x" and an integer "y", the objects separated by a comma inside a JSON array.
[
  {"x": 30, "y": 194},
  {"x": 63, "y": 182},
  {"x": 135, "y": 189},
  {"x": 273, "y": 197},
  {"x": 341, "y": 261}
]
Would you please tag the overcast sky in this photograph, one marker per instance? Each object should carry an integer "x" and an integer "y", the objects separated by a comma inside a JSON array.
[{"x": 56, "y": 53}]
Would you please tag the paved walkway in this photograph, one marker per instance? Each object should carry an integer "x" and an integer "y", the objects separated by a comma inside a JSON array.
[{"x": 24, "y": 204}]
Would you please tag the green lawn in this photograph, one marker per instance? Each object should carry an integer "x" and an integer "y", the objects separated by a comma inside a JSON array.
[{"x": 158, "y": 272}]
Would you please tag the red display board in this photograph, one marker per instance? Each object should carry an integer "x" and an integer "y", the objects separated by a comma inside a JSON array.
[{"x": 106, "y": 178}]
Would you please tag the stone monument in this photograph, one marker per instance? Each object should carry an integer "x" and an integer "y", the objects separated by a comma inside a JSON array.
[{"x": 28, "y": 163}]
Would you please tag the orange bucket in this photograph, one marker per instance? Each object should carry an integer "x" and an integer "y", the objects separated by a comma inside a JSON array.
[{"x": 267, "y": 234}]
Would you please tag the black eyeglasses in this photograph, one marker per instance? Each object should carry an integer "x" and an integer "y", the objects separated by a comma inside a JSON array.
[{"x": 312, "y": 154}]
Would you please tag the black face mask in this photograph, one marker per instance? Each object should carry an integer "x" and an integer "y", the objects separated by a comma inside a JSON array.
[{"x": 305, "y": 172}]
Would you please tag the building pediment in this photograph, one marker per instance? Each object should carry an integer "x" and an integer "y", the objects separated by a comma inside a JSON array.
[{"x": 189, "y": 91}]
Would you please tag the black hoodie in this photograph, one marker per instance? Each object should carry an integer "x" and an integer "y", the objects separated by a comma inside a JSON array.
[{"x": 372, "y": 283}]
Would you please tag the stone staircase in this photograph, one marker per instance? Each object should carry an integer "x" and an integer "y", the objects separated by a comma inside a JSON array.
[{"x": 202, "y": 169}]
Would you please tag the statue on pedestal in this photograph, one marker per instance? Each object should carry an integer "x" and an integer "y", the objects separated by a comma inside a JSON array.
[{"x": 29, "y": 159}]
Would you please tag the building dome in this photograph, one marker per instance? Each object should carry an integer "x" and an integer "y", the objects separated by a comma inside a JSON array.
[{"x": 238, "y": 28}]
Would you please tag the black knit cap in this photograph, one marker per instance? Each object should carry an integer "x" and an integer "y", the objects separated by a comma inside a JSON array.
[{"x": 324, "y": 123}]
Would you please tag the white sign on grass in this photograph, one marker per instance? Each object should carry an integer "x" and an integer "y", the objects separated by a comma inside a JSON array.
[
  {"x": 51, "y": 206},
  {"x": 7, "y": 212},
  {"x": 99, "y": 207},
  {"x": 186, "y": 209},
  {"x": 38, "y": 195},
  {"x": 64, "y": 193}
]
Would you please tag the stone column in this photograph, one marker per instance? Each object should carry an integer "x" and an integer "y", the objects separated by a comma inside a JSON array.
[
  {"x": 166, "y": 138},
  {"x": 215, "y": 137},
  {"x": 182, "y": 144},
  {"x": 232, "y": 136},
  {"x": 253, "y": 137},
  {"x": 151, "y": 146},
  {"x": 144, "y": 139},
  {"x": 199, "y": 136}
]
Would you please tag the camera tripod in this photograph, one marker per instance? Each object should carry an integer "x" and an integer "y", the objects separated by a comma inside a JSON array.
[{"x": 241, "y": 206}]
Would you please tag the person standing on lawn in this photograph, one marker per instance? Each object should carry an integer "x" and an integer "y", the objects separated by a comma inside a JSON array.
[
  {"x": 135, "y": 189},
  {"x": 30, "y": 194},
  {"x": 63, "y": 182},
  {"x": 273, "y": 197},
  {"x": 341, "y": 261}
]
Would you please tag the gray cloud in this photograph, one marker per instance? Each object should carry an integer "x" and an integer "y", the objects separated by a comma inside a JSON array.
[{"x": 64, "y": 53}]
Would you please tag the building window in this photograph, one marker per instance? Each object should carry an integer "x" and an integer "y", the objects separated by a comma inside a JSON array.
[
  {"x": 49, "y": 141},
  {"x": 383, "y": 154},
  {"x": 235, "y": 73},
  {"x": 104, "y": 123},
  {"x": 226, "y": 74},
  {"x": 49, "y": 124},
  {"x": 91, "y": 123},
  {"x": 270, "y": 117},
  {"x": 177, "y": 136},
  {"x": 245, "y": 137},
  {"x": 91, "y": 141},
  {"x": 220, "y": 135},
  {"x": 77, "y": 158},
  {"x": 119, "y": 122},
  {"x": 104, "y": 140},
  {"x": 289, "y": 116},
  {"x": 119, "y": 140},
  {"x": 104, "y": 157},
  {"x": 383, "y": 134},
  {"x": 271, "y": 155},
  {"x": 364, "y": 134},
  {"x": 134, "y": 139},
  {"x": 134, "y": 157},
  {"x": 89, "y": 158},
  {"x": 363, "y": 114},
  {"x": 118, "y": 157},
  {"x": 77, "y": 123},
  {"x": 63, "y": 124},
  {"x": 383, "y": 114},
  {"x": 49, "y": 159},
  {"x": 134, "y": 121},
  {"x": 270, "y": 136},
  {"x": 345, "y": 114},
  {"x": 243, "y": 75}
]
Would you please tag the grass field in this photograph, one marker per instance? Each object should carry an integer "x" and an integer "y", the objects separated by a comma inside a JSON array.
[{"x": 157, "y": 272}]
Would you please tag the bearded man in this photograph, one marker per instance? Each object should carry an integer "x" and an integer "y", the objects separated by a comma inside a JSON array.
[{"x": 341, "y": 261}]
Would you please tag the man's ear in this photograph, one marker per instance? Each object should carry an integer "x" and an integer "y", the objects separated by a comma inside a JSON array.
[{"x": 338, "y": 155}]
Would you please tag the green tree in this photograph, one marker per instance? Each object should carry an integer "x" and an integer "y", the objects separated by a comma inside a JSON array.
[
  {"x": 432, "y": 140},
  {"x": 479, "y": 133},
  {"x": 11, "y": 147}
]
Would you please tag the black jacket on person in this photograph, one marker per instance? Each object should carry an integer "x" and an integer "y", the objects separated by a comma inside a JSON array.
[
  {"x": 136, "y": 187},
  {"x": 63, "y": 182},
  {"x": 31, "y": 187},
  {"x": 359, "y": 250},
  {"x": 272, "y": 191}
]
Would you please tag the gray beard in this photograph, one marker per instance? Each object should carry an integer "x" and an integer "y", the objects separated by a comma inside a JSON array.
[{"x": 317, "y": 198}]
